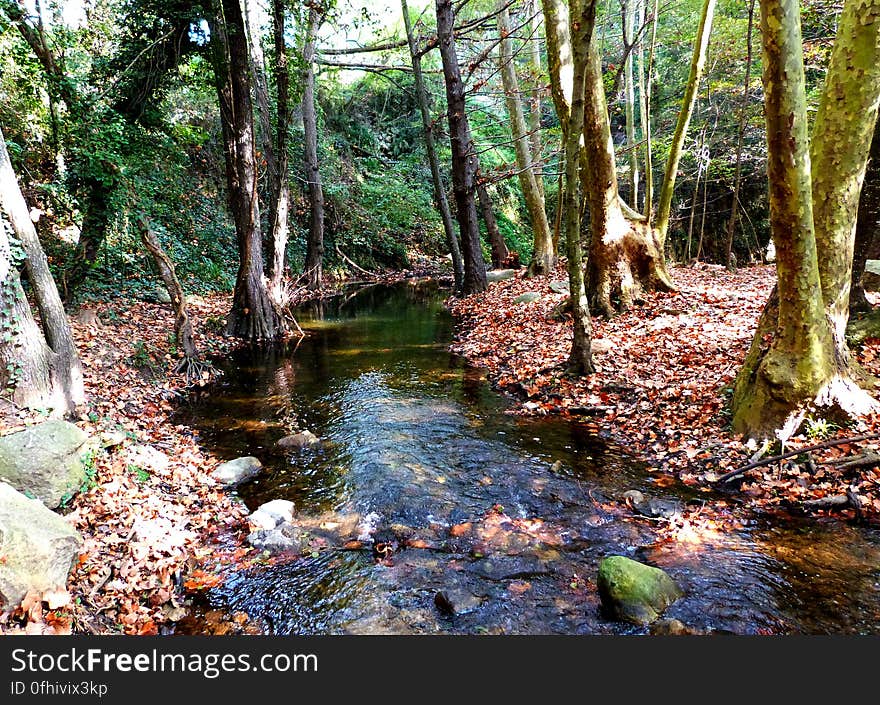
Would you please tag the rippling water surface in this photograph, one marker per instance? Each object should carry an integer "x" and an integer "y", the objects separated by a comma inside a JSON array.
[{"x": 415, "y": 446}]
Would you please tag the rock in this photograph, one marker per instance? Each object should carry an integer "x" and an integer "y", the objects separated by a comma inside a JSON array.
[
  {"x": 871, "y": 277},
  {"x": 456, "y": 601},
  {"x": 45, "y": 461},
  {"x": 236, "y": 471},
  {"x": 156, "y": 294},
  {"x": 499, "y": 275},
  {"x": 671, "y": 627},
  {"x": 635, "y": 592},
  {"x": 651, "y": 506},
  {"x": 37, "y": 547},
  {"x": 111, "y": 439},
  {"x": 148, "y": 458},
  {"x": 303, "y": 439},
  {"x": 284, "y": 539},
  {"x": 527, "y": 298},
  {"x": 271, "y": 514},
  {"x": 558, "y": 287}
]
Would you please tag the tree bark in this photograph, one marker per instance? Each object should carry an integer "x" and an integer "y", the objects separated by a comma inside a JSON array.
[
  {"x": 544, "y": 257},
  {"x": 464, "y": 158},
  {"x": 56, "y": 328},
  {"x": 500, "y": 253},
  {"x": 182, "y": 325},
  {"x": 624, "y": 257},
  {"x": 867, "y": 226},
  {"x": 279, "y": 211},
  {"x": 252, "y": 317},
  {"x": 431, "y": 150},
  {"x": 647, "y": 91},
  {"x": 802, "y": 364},
  {"x": 533, "y": 56},
  {"x": 698, "y": 63},
  {"x": 628, "y": 10},
  {"x": 740, "y": 135},
  {"x": 583, "y": 17},
  {"x": 315, "y": 245}
]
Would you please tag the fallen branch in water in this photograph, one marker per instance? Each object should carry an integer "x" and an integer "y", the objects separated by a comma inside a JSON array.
[
  {"x": 790, "y": 454},
  {"x": 356, "y": 266}
]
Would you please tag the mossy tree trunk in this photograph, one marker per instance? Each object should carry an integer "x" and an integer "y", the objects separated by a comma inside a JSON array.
[
  {"x": 794, "y": 359},
  {"x": 698, "y": 63},
  {"x": 544, "y": 255},
  {"x": 583, "y": 18}
]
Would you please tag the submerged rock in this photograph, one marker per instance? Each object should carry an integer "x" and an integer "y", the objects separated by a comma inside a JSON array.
[
  {"x": 635, "y": 592},
  {"x": 303, "y": 439},
  {"x": 286, "y": 538},
  {"x": 236, "y": 471},
  {"x": 456, "y": 601},
  {"x": 37, "y": 547},
  {"x": 45, "y": 461}
]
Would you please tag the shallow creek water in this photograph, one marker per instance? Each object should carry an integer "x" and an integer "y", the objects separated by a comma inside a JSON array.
[{"x": 415, "y": 446}]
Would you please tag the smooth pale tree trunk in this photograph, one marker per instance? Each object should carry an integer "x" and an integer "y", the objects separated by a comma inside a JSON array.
[
  {"x": 793, "y": 360},
  {"x": 261, "y": 87},
  {"x": 279, "y": 211},
  {"x": 583, "y": 17},
  {"x": 27, "y": 365},
  {"x": 839, "y": 151},
  {"x": 66, "y": 364},
  {"x": 498, "y": 247},
  {"x": 647, "y": 90},
  {"x": 628, "y": 9},
  {"x": 544, "y": 257},
  {"x": 314, "y": 263},
  {"x": 431, "y": 150},
  {"x": 533, "y": 57},
  {"x": 740, "y": 135},
  {"x": 698, "y": 63},
  {"x": 559, "y": 57},
  {"x": 867, "y": 226},
  {"x": 464, "y": 158},
  {"x": 625, "y": 257},
  {"x": 253, "y": 316}
]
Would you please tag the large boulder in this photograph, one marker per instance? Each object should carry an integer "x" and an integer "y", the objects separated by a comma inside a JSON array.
[
  {"x": 234, "y": 472},
  {"x": 635, "y": 592},
  {"x": 45, "y": 461},
  {"x": 499, "y": 275},
  {"x": 37, "y": 547}
]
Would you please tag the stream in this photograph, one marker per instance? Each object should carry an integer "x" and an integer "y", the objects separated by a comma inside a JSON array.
[{"x": 507, "y": 516}]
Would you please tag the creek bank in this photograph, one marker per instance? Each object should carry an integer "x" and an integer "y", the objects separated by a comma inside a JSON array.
[{"x": 664, "y": 372}]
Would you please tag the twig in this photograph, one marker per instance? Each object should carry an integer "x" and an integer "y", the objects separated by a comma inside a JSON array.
[
  {"x": 790, "y": 454},
  {"x": 360, "y": 269}
]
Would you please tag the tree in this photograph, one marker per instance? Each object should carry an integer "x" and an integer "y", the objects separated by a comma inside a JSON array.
[
  {"x": 544, "y": 255},
  {"x": 253, "y": 316},
  {"x": 867, "y": 226},
  {"x": 583, "y": 19},
  {"x": 42, "y": 370},
  {"x": 431, "y": 150},
  {"x": 464, "y": 158},
  {"x": 798, "y": 355},
  {"x": 315, "y": 244}
]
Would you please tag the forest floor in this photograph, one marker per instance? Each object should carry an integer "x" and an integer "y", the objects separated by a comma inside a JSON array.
[{"x": 664, "y": 375}]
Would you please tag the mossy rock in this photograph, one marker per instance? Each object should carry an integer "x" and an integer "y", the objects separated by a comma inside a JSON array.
[{"x": 635, "y": 592}]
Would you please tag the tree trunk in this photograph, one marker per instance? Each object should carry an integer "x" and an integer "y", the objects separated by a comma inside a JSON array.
[
  {"x": 867, "y": 225},
  {"x": 315, "y": 245},
  {"x": 559, "y": 61},
  {"x": 535, "y": 81},
  {"x": 743, "y": 112},
  {"x": 56, "y": 328},
  {"x": 544, "y": 257},
  {"x": 628, "y": 9},
  {"x": 624, "y": 257},
  {"x": 280, "y": 209},
  {"x": 252, "y": 316},
  {"x": 698, "y": 63},
  {"x": 500, "y": 253},
  {"x": 431, "y": 150},
  {"x": 182, "y": 325},
  {"x": 464, "y": 158},
  {"x": 647, "y": 91},
  {"x": 27, "y": 364},
  {"x": 801, "y": 364},
  {"x": 839, "y": 152},
  {"x": 583, "y": 17},
  {"x": 92, "y": 234}
]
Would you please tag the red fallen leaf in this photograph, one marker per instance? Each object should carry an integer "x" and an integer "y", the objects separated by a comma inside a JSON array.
[
  {"x": 461, "y": 529},
  {"x": 418, "y": 543},
  {"x": 353, "y": 545}
]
